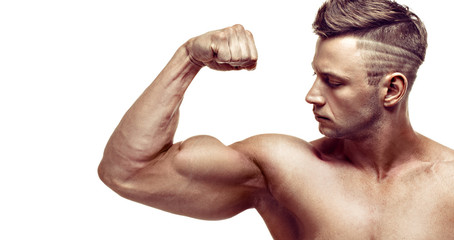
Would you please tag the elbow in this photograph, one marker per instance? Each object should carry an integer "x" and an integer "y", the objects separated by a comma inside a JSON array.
[
  {"x": 105, "y": 175},
  {"x": 116, "y": 178},
  {"x": 114, "y": 170}
]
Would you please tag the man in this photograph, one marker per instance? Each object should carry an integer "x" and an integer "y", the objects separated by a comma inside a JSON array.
[{"x": 371, "y": 177}]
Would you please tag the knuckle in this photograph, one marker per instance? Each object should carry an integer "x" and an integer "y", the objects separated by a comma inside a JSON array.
[
  {"x": 231, "y": 31},
  {"x": 245, "y": 57},
  {"x": 253, "y": 58},
  {"x": 249, "y": 34},
  {"x": 238, "y": 26},
  {"x": 220, "y": 35},
  {"x": 223, "y": 54},
  {"x": 235, "y": 59},
  {"x": 225, "y": 34}
]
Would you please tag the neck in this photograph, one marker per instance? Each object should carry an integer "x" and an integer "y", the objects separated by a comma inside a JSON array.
[{"x": 382, "y": 152}]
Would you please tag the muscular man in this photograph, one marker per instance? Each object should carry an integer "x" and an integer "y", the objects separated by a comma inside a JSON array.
[{"x": 371, "y": 177}]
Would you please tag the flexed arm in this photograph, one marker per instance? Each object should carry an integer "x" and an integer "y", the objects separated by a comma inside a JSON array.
[{"x": 200, "y": 177}]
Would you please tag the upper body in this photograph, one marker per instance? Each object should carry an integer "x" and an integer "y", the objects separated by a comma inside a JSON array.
[{"x": 371, "y": 177}]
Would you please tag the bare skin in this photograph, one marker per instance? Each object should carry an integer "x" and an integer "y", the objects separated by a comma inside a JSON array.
[{"x": 372, "y": 177}]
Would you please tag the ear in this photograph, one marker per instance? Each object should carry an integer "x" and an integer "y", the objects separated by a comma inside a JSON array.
[{"x": 396, "y": 84}]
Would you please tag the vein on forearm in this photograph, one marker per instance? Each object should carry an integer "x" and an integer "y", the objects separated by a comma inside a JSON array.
[{"x": 150, "y": 124}]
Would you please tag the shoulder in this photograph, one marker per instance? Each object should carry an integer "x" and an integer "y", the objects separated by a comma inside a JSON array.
[
  {"x": 441, "y": 159},
  {"x": 444, "y": 174},
  {"x": 436, "y": 151},
  {"x": 281, "y": 155},
  {"x": 444, "y": 164},
  {"x": 269, "y": 145}
]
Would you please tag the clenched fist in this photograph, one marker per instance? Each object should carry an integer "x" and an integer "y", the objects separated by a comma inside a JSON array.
[{"x": 231, "y": 48}]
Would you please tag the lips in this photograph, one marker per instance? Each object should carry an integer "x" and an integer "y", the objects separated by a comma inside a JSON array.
[{"x": 320, "y": 117}]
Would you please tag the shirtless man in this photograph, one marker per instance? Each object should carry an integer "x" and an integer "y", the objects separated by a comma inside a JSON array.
[{"x": 371, "y": 177}]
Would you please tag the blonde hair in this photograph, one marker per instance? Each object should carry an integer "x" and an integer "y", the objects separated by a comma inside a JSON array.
[{"x": 392, "y": 37}]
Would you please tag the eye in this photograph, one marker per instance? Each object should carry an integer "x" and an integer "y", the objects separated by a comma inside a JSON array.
[
  {"x": 332, "y": 83},
  {"x": 329, "y": 80}
]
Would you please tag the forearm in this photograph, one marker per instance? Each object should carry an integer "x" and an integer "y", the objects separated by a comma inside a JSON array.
[
  {"x": 148, "y": 127},
  {"x": 200, "y": 177},
  {"x": 146, "y": 131}
]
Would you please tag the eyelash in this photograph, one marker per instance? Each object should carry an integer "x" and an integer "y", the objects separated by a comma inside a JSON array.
[
  {"x": 333, "y": 85},
  {"x": 327, "y": 81}
]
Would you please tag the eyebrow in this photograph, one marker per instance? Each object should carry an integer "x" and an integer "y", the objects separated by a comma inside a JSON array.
[{"x": 330, "y": 73}]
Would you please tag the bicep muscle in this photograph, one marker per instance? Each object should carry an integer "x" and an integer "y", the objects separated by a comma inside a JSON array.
[{"x": 200, "y": 177}]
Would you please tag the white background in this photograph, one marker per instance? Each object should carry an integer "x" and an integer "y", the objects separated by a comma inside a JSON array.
[{"x": 70, "y": 69}]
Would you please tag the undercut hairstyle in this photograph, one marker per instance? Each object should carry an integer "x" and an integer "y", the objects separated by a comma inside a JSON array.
[{"x": 391, "y": 37}]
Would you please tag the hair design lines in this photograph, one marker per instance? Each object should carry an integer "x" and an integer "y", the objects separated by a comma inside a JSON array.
[{"x": 382, "y": 59}]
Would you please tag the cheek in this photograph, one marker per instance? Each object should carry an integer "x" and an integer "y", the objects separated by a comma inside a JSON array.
[
  {"x": 341, "y": 102},
  {"x": 348, "y": 104}
]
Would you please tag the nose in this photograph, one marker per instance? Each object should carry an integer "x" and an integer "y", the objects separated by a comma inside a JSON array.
[{"x": 314, "y": 95}]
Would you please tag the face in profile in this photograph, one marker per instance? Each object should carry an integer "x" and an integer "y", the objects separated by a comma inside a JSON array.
[{"x": 344, "y": 103}]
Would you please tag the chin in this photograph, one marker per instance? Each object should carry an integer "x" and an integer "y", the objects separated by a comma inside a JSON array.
[
  {"x": 354, "y": 133},
  {"x": 334, "y": 133},
  {"x": 345, "y": 136},
  {"x": 329, "y": 133}
]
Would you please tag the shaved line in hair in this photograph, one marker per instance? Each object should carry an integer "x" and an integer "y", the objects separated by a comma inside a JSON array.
[{"x": 382, "y": 59}]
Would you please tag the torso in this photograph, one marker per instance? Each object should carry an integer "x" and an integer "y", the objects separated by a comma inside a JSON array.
[{"x": 314, "y": 197}]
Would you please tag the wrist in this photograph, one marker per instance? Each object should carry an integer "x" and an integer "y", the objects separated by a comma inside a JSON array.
[{"x": 187, "y": 46}]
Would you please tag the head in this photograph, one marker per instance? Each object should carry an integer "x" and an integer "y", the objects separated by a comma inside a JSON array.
[{"x": 366, "y": 60}]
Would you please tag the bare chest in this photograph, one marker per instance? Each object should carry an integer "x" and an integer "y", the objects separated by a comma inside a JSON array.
[{"x": 328, "y": 206}]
